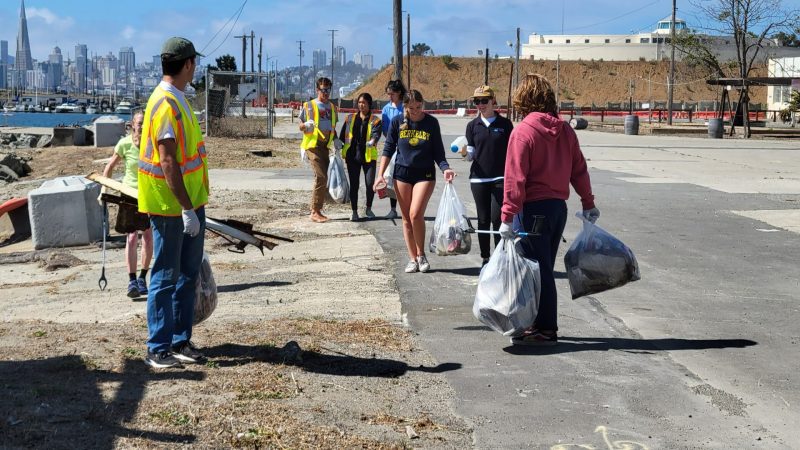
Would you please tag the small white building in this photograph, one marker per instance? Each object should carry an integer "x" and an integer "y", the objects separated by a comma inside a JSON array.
[
  {"x": 778, "y": 96},
  {"x": 654, "y": 45}
]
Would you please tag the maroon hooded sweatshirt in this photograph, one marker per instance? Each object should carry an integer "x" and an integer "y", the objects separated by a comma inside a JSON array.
[{"x": 543, "y": 159}]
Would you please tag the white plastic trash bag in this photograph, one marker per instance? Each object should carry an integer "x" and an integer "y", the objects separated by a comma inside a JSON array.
[
  {"x": 388, "y": 175},
  {"x": 338, "y": 186},
  {"x": 597, "y": 261},
  {"x": 205, "y": 301},
  {"x": 509, "y": 289},
  {"x": 449, "y": 236}
]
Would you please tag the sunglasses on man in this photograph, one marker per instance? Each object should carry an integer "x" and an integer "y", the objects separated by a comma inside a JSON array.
[
  {"x": 480, "y": 101},
  {"x": 326, "y": 90}
]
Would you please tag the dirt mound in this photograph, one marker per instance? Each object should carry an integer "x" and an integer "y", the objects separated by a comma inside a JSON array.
[{"x": 582, "y": 82}]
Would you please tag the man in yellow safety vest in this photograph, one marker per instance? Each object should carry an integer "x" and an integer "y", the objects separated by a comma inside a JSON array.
[
  {"x": 173, "y": 190},
  {"x": 318, "y": 124}
]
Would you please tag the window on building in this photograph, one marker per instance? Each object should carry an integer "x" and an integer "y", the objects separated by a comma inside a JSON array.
[
  {"x": 627, "y": 41},
  {"x": 567, "y": 41},
  {"x": 667, "y": 40},
  {"x": 608, "y": 41},
  {"x": 644, "y": 40},
  {"x": 585, "y": 41},
  {"x": 549, "y": 41}
]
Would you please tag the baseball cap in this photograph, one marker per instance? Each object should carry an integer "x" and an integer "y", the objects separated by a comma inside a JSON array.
[
  {"x": 483, "y": 91},
  {"x": 178, "y": 48}
]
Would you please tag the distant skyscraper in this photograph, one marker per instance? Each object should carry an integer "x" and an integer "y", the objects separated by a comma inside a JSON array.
[
  {"x": 320, "y": 59},
  {"x": 55, "y": 69},
  {"x": 127, "y": 59},
  {"x": 339, "y": 56},
  {"x": 3, "y": 64},
  {"x": 357, "y": 58},
  {"x": 81, "y": 66},
  {"x": 23, "y": 62},
  {"x": 366, "y": 61}
]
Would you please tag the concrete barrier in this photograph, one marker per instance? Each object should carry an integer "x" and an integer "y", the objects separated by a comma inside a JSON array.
[
  {"x": 64, "y": 212},
  {"x": 108, "y": 130}
]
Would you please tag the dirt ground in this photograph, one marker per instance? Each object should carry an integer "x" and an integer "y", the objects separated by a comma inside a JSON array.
[{"x": 306, "y": 346}]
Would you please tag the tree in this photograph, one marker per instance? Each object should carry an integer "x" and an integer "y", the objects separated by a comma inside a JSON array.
[
  {"x": 788, "y": 39},
  {"x": 421, "y": 49},
  {"x": 226, "y": 63},
  {"x": 748, "y": 23}
]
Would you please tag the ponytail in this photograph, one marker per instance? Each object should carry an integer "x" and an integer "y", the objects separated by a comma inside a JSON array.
[{"x": 411, "y": 96}]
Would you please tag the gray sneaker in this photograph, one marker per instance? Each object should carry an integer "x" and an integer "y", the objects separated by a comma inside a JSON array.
[
  {"x": 412, "y": 267},
  {"x": 392, "y": 214},
  {"x": 162, "y": 360},
  {"x": 354, "y": 217},
  {"x": 368, "y": 213},
  {"x": 188, "y": 353},
  {"x": 422, "y": 262}
]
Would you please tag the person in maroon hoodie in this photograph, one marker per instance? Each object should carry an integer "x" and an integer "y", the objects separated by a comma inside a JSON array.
[{"x": 543, "y": 159}]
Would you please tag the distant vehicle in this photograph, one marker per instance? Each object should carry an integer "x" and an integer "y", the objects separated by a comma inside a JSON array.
[
  {"x": 69, "y": 108},
  {"x": 124, "y": 107},
  {"x": 91, "y": 110}
]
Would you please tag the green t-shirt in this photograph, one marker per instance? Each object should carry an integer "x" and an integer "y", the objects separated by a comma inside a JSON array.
[{"x": 129, "y": 154}]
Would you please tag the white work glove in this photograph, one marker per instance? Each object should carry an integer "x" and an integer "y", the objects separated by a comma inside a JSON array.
[
  {"x": 191, "y": 224},
  {"x": 371, "y": 143},
  {"x": 103, "y": 190},
  {"x": 337, "y": 144},
  {"x": 309, "y": 126},
  {"x": 591, "y": 214},
  {"x": 507, "y": 231}
]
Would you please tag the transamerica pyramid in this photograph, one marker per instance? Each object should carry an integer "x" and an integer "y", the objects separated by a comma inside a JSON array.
[{"x": 24, "y": 60}]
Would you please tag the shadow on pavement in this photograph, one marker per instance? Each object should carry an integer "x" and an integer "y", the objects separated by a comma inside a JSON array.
[
  {"x": 59, "y": 403},
  {"x": 472, "y": 271},
  {"x": 312, "y": 361},
  {"x": 244, "y": 286},
  {"x": 576, "y": 344}
]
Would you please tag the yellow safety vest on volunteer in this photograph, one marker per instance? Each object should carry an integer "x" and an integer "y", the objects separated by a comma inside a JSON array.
[
  {"x": 155, "y": 197},
  {"x": 312, "y": 111},
  {"x": 372, "y": 150}
]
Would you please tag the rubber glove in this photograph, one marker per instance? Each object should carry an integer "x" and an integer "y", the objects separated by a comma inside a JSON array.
[
  {"x": 309, "y": 126},
  {"x": 191, "y": 224},
  {"x": 337, "y": 144},
  {"x": 507, "y": 231},
  {"x": 591, "y": 214}
]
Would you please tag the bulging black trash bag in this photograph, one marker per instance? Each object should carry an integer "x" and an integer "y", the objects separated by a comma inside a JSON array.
[
  {"x": 509, "y": 288},
  {"x": 205, "y": 301},
  {"x": 597, "y": 261}
]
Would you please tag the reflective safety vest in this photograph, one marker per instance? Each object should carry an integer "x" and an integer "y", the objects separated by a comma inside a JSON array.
[
  {"x": 155, "y": 196},
  {"x": 372, "y": 151},
  {"x": 312, "y": 111}
]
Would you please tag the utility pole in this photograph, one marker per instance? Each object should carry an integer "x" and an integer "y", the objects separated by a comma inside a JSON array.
[
  {"x": 671, "y": 83},
  {"x": 558, "y": 78},
  {"x": 333, "y": 32},
  {"x": 398, "y": 39},
  {"x": 244, "y": 66},
  {"x": 301, "y": 68},
  {"x": 252, "y": 50},
  {"x": 486, "y": 67},
  {"x": 260, "y": 44},
  {"x": 408, "y": 48},
  {"x": 516, "y": 63}
]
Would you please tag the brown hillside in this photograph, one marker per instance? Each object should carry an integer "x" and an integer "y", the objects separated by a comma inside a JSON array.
[{"x": 582, "y": 82}]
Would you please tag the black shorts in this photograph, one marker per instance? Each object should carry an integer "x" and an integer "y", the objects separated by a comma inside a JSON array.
[
  {"x": 413, "y": 175},
  {"x": 129, "y": 219}
]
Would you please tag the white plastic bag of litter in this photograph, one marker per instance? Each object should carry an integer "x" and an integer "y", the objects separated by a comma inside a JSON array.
[
  {"x": 449, "y": 236},
  {"x": 338, "y": 186},
  {"x": 597, "y": 261},
  {"x": 509, "y": 288},
  {"x": 205, "y": 301},
  {"x": 388, "y": 175}
]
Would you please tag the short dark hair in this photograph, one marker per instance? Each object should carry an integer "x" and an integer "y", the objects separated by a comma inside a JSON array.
[
  {"x": 397, "y": 86},
  {"x": 322, "y": 81},
  {"x": 172, "y": 68},
  {"x": 367, "y": 98}
]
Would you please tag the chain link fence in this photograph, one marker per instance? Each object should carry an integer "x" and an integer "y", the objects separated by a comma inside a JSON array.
[{"x": 240, "y": 104}]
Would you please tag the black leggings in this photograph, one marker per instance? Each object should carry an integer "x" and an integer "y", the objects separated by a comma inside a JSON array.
[
  {"x": 488, "y": 201},
  {"x": 354, "y": 169}
]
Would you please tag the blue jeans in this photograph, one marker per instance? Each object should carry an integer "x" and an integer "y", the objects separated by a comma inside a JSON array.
[
  {"x": 176, "y": 264},
  {"x": 546, "y": 219}
]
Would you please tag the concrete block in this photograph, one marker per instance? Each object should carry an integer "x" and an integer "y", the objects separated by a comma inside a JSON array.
[
  {"x": 64, "y": 212},
  {"x": 108, "y": 130},
  {"x": 63, "y": 136}
]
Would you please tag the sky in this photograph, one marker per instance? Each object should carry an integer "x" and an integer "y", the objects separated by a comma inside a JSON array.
[{"x": 455, "y": 27}]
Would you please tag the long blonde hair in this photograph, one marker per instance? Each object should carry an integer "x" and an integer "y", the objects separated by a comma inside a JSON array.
[
  {"x": 411, "y": 96},
  {"x": 535, "y": 94}
]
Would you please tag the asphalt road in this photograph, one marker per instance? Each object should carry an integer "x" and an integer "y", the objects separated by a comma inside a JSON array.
[{"x": 701, "y": 353}]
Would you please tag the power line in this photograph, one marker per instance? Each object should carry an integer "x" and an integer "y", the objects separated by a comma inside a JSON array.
[{"x": 238, "y": 13}]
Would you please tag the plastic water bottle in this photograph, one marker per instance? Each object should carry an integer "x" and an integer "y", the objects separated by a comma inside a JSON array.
[{"x": 456, "y": 145}]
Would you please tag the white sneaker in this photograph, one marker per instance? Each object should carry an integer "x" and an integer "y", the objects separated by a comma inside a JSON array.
[
  {"x": 422, "y": 262},
  {"x": 368, "y": 213},
  {"x": 392, "y": 214},
  {"x": 411, "y": 267}
]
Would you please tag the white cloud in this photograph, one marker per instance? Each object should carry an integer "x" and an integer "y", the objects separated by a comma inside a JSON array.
[
  {"x": 49, "y": 18},
  {"x": 128, "y": 32}
]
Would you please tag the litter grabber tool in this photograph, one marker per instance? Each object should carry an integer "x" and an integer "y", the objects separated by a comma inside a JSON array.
[
  {"x": 102, "y": 282},
  {"x": 472, "y": 229}
]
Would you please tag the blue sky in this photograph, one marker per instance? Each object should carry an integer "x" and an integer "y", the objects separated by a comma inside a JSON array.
[{"x": 456, "y": 27}]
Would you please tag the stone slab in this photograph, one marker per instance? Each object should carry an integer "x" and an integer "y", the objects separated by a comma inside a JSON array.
[{"x": 64, "y": 212}]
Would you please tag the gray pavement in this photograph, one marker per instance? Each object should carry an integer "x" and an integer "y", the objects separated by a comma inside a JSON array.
[{"x": 701, "y": 353}]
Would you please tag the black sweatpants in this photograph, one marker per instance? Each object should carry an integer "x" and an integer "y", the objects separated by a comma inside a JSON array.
[
  {"x": 488, "y": 201},
  {"x": 354, "y": 169}
]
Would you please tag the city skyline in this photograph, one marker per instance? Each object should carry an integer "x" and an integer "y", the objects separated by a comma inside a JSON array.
[{"x": 456, "y": 27}]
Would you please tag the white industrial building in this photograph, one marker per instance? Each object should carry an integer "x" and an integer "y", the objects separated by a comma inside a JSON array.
[
  {"x": 778, "y": 96},
  {"x": 654, "y": 45}
]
